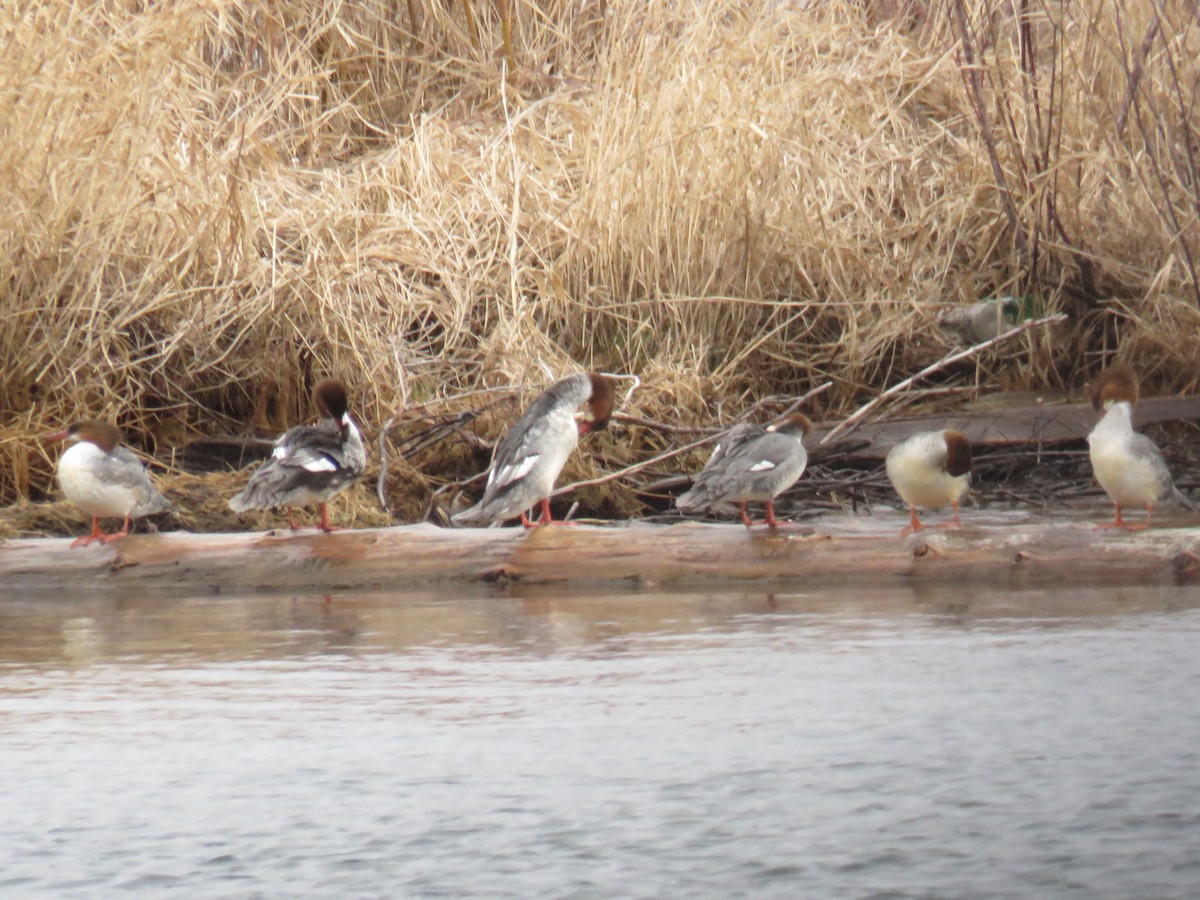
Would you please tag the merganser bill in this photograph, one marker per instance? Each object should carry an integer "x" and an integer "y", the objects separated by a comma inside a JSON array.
[
  {"x": 105, "y": 479},
  {"x": 750, "y": 465},
  {"x": 1128, "y": 465},
  {"x": 310, "y": 463},
  {"x": 531, "y": 455},
  {"x": 930, "y": 469}
]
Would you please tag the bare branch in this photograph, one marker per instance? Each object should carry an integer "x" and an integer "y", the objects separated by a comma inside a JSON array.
[
  {"x": 902, "y": 386},
  {"x": 1133, "y": 75},
  {"x": 973, "y": 81},
  {"x": 819, "y": 389},
  {"x": 637, "y": 467},
  {"x": 678, "y": 451}
]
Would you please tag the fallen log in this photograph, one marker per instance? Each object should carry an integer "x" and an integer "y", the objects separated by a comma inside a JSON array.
[
  {"x": 1029, "y": 425},
  {"x": 838, "y": 552}
]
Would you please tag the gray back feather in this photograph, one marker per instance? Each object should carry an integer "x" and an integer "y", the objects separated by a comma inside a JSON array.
[
  {"x": 706, "y": 490},
  {"x": 123, "y": 467}
]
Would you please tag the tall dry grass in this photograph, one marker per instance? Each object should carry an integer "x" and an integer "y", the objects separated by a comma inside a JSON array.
[{"x": 205, "y": 206}]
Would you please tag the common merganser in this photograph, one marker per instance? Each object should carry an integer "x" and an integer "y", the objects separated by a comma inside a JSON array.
[
  {"x": 751, "y": 464},
  {"x": 1128, "y": 465},
  {"x": 104, "y": 479},
  {"x": 310, "y": 463},
  {"x": 529, "y": 458},
  {"x": 930, "y": 469}
]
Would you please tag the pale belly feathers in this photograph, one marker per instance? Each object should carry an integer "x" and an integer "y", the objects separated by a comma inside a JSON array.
[
  {"x": 77, "y": 477},
  {"x": 1128, "y": 480},
  {"x": 922, "y": 485}
]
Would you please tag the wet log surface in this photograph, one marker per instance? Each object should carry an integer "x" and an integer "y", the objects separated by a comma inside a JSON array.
[{"x": 1002, "y": 550}]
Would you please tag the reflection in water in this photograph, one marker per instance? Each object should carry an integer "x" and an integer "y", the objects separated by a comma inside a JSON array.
[
  {"x": 528, "y": 744},
  {"x": 85, "y": 632}
]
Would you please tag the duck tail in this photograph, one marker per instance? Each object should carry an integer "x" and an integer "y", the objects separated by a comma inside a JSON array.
[
  {"x": 1184, "y": 500},
  {"x": 155, "y": 504},
  {"x": 479, "y": 514}
]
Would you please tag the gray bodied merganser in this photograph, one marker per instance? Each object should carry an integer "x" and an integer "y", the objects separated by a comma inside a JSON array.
[
  {"x": 529, "y": 458},
  {"x": 1128, "y": 465},
  {"x": 930, "y": 469},
  {"x": 105, "y": 479},
  {"x": 751, "y": 464},
  {"x": 310, "y": 463}
]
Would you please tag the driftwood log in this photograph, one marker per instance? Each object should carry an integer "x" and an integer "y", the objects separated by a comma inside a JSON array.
[
  {"x": 839, "y": 552},
  {"x": 1031, "y": 424}
]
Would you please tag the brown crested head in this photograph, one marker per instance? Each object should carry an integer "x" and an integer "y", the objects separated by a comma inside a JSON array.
[
  {"x": 794, "y": 423},
  {"x": 1116, "y": 384},
  {"x": 104, "y": 435},
  {"x": 329, "y": 396},
  {"x": 600, "y": 403},
  {"x": 958, "y": 453}
]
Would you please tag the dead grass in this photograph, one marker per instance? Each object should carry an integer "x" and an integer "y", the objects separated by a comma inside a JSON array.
[{"x": 206, "y": 207}]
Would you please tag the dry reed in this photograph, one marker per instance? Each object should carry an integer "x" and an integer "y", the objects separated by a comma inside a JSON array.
[{"x": 208, "y": 206}]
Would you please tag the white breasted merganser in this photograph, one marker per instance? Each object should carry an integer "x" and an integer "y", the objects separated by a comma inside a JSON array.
[
  {"x": 930, "y": 469},
  {"x": 1128, "y": 465},
  {"x": 751, "y": 464},
  {"x": 310, "y": 463},
  {"x": 104, "y": 479},
  {"x": 529, "y": 458}
]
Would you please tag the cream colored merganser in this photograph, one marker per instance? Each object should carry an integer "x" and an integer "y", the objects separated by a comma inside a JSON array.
[
  {"x": 105, "y": 479},
  {"x": 1128, "y": 465},
  {"x": 529, "y": 458},
  {"x": 310, "y": 463},
  {"x": 930, "y": 469},
  {"x": 751, "y": 465}
]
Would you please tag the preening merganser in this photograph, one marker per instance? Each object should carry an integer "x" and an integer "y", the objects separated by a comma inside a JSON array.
[
  {"x": 310, "y": 463},
  {"x": 931, "y": 470},
  {"x": 105, "y": 479},
  {"x": 529, "y": 458},
  {"x": 751, "y": 464},
  {"x": 1128, "y": 465}
]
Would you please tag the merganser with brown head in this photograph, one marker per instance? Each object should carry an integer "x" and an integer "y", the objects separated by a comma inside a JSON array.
[
  {"x": 104, "y": 479},
  {"x": 930, "y": 469},
  {"x": 1128, "y": 465},
  {"x": 751, "y": 465},
  {"x": 310, "y": 464},
  {"x": 529, "y": 458}
]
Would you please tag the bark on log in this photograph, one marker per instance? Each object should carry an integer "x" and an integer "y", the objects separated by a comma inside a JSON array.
[{"x": 687, "y": 556}]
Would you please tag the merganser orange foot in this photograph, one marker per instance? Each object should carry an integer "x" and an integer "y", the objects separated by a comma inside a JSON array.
[
  {"x": 529, "y": 458},
  {"x": 1129, "y": 466},
  {"x": 311, "y": 464},
  {"x": 930, "y": 469},
  {"x": 104, "y": 479},
  {"x": 752, "y": 464},
  {"x": 546, "y": 518}
]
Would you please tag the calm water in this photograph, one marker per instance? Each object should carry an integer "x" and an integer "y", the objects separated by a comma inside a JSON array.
[{"x": 734, "y": 745}]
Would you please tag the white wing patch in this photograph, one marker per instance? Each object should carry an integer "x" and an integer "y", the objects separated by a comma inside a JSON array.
[
  {"x": 307, "y": 460},
  {"x": 764, "y": 465},
  {"x": 513, "y": 471},
  {"x": 320, "y": 465}
]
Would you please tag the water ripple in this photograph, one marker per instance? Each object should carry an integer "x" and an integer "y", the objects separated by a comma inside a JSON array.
[{"x": 752, "y": 745}]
